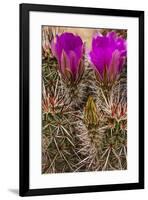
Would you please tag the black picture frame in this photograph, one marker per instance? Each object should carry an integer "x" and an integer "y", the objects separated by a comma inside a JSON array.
[{"x": 24, "y": 189}]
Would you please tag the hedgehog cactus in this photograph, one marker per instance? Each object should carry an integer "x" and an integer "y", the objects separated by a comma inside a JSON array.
[
  {"x": 58, "y": 140},
  {"x": 115, "y": 140},
  {"x": 84, "y": 103},
  {"x": 69, "y": 51},
  {"x": 90, "y": 135}
]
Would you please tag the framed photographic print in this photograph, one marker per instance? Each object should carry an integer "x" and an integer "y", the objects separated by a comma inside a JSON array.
[{"x": 81, "y": 99}]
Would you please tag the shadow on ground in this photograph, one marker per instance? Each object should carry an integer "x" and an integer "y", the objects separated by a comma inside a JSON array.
[{"x": 14, "y": 191}]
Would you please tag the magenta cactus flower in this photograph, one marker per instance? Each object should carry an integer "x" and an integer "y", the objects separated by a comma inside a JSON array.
[
  {"x": 107, "y": 56},
  {"x": 68, "y": 50}
]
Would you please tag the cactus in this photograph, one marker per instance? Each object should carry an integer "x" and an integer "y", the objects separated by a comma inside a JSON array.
[
  {"x": 58, "y": 141},
  {"x": 84, "y": 103},
  {"x": 90, "y": 136},
  {"x": 113, "y": 105}
]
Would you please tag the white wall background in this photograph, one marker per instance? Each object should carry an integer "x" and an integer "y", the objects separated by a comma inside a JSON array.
[{"x": 9, "y": 98}]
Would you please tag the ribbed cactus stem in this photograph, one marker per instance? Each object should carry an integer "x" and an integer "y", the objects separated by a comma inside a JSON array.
[{"x": 90, "y": 135}]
